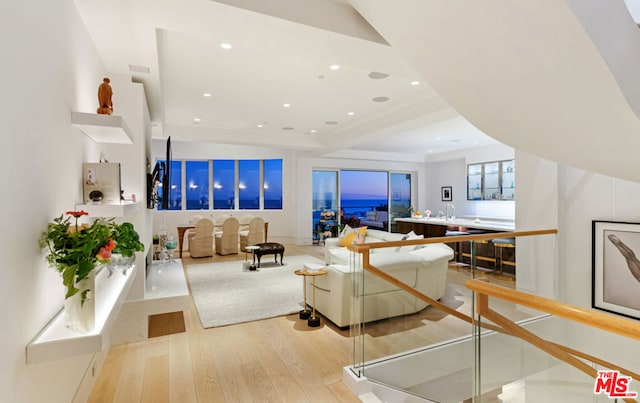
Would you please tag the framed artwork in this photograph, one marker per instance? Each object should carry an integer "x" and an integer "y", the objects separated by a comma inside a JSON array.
[
  {"x": 446, "y": 193},
  {"x": 616, "y": 267}
]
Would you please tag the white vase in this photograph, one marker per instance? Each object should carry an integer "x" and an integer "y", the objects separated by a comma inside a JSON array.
[{"x": 81, "y": 317}]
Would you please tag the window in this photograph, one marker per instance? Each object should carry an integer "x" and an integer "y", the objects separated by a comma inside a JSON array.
[
  {"x": 364, "y": 199},
  {"x": 324, "y": 186},
  {"x": 224, "y": 184},
  {"x": 249, "y": 184},
  {"x": 272, "y": 184},
  {"x": 197, "y": 177},
  {"x": 231, "y": 184}
]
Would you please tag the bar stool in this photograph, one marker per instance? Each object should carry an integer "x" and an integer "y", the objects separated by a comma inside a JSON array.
[
  {"x": 499, "y": 245},
  {"x": 493, "y": 259},
  {"x": 455, "y": 231}
]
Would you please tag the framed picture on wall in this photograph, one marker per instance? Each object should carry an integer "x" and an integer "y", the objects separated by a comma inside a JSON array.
[
  {"x": 446, "y": 193},
  {"x": 616, "y": 267}
]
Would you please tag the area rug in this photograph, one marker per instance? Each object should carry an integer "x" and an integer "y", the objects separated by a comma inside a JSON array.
[{"x": 226, "y": 294}]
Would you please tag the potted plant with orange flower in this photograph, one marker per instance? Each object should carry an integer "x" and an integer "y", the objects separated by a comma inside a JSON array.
[{"x": 76, "y": 250}]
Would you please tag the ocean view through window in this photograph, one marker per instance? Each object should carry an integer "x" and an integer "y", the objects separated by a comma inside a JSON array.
[
  {"x": 231, "y": 184},
  {"x": 357, "y": 198}
]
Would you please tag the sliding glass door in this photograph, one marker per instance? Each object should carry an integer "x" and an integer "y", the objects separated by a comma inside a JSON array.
[
  {"x": 364, "y": 198},
  {"x": 358, "y": 198},
  {"x": 325, "y": 203},
  {"x": 400, "y": 185}
]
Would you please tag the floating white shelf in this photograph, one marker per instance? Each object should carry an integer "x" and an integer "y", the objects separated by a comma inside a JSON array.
[
  {"x": 56, "y": 341},
  {"x": 108, "y": 210},
  {"x": 102, "y": 128}
]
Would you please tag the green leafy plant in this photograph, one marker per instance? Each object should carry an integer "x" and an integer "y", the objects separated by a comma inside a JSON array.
[
  {"x": 74, "y": 249},
  {"x": 127, "y": 240}
]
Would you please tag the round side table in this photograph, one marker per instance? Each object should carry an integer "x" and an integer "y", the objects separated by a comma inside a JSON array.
[{"x": 313, "y": 270}]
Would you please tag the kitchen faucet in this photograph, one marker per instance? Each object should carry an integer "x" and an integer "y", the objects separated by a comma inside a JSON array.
[{"x": 451, "y": 212}]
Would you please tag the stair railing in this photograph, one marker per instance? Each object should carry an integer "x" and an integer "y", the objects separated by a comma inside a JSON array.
[{"x": 483, "y": 290}]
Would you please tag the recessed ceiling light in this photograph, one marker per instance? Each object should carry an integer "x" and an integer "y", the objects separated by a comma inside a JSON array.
[
  {"x": 380, "y": 99},
  {"x": 206, "y": 95},
  {"x": 334, "y": 67},
  {"x": 430, "y": 151},
  {"x": 331, "y": 122},
  {"x": 313, "y": 130},
  {"x": 351, "y": 113},
  {"x": 415, "y": 83},
  {"x": 226, "y": 46},
  {"x": 196, "y": 120},
  {"x": 376, "y": 75},
  {"x": 438, "y": 138},
  {"x": 286, "y": 105},
  {"x": 260, "y": 125}
]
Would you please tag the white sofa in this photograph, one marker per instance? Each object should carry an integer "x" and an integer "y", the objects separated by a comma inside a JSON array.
[
  {"x": 375, "y": 219},
  {"x": 423, "y": 267}
]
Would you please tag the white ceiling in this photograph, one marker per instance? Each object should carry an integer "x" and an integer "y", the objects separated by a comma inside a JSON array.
[{"x": 274, "y": 61}]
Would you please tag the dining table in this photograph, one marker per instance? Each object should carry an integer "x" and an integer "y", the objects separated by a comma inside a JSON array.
[{"x": 182, "y": 229}]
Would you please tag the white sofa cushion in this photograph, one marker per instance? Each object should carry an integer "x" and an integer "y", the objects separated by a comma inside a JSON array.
[{"x": 433, "y": 253}]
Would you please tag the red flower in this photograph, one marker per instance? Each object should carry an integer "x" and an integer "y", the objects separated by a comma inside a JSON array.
[
  {"x": 77, "y": 214},
  {"x": 104, "y": 253}
]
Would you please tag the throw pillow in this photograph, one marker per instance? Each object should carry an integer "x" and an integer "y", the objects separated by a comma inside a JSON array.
[
  {"x": 345, "y": 231},
  {"x": 404, "y": 238},
  {"x": 411, "y": 236},
  {"x": 347, "y": 239},
  {"x": 349, "y": 235}
]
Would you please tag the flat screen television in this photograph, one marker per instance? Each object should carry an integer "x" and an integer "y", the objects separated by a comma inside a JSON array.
[
  {"x": 166, "y": 178},
  {"x": 161, "y": 174}
]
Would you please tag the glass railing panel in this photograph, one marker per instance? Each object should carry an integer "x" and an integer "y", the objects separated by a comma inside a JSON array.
[
  {"x": 511, "y": 369},
  {"x": 356, "y": 306},
  {"x": 399, "y": 350}
]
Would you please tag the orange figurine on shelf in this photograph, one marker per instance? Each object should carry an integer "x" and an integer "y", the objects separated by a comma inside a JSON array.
[{"x": 104, "y": 97}]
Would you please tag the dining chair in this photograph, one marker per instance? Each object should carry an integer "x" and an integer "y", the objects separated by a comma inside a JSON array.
[
  {"x": 227, "y": 240},
  {"x": 254, "y": 234},
  {"x": 201, "y": 239}
]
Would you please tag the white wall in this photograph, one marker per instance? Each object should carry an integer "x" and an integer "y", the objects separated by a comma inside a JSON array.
[
  {"x": 450, "y": 169},
  {"x": 49, "y": 68},
  {"x": 537, "y": 203}
]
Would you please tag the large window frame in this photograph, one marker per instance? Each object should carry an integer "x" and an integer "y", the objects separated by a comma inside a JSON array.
[{"x": 275, "y": 180}]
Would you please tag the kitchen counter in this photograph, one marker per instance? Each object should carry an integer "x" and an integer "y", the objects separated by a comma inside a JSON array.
[{"x": 484, "y": 224}]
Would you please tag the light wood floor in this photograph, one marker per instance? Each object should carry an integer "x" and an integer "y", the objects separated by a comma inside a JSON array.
[{"x": 274, "y": 360}]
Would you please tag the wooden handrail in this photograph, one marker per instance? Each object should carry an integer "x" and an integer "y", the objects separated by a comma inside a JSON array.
[
  {"x": 484, "y": 289},
  {"x": 599, "y": 320},
  {"x": 590, "y": 317},
  {"x": 365, "y": 247}
]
